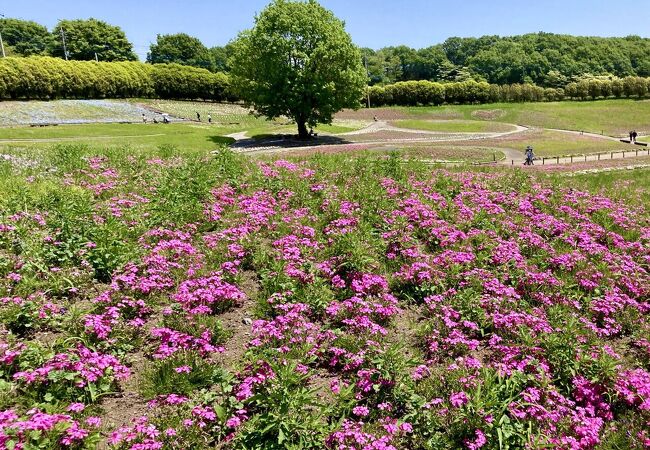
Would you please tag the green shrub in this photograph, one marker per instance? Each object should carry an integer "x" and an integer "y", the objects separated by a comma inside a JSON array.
[{"x": 41, "y": 77}]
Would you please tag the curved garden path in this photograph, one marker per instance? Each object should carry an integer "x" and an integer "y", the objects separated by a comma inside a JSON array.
[{"x": 243, "y": 144}]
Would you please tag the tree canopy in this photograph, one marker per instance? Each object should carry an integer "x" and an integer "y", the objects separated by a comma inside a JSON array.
[
  {"x": 84, "y": 38},
  {"x": 298, "y": 61},
  {"x": 24, "y": 37},
  {"x": 546, "y": 59},
  {"x": 182, "y": 49}
]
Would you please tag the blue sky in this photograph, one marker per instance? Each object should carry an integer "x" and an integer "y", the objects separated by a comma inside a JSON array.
[{"x": 372, "y": 23}]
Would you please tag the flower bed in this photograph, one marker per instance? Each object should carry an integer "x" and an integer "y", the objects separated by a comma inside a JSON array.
[{"x": 327, "y": 303}]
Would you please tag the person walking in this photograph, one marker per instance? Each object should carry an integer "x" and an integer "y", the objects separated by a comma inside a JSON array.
[
  {"x": 631, "y": 138},
  {"x": 144, "y": 118},
  {"x": 530, "y": 156},
  {"x": 634, "y": 135},
  {"x": 209, "y": 118},
  {"x": 198, "y": 116}
]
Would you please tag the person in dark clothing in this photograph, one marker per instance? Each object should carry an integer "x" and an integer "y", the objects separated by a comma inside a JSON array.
[
  {"x": 634, "y": 135},
  {"x": 530, "y": 156},
  {"x": 209, "y": 118},
  {"x": 198, "y": 116},
  {"x": 631, "y": 133}
]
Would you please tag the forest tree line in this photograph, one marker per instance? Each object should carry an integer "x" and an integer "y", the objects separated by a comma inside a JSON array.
[
  {"x": 45, "y": 78},
  {"x": 543, "y": 59}
]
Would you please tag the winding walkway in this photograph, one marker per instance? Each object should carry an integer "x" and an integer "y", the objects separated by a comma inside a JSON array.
[{"x": 246, "y": 145}]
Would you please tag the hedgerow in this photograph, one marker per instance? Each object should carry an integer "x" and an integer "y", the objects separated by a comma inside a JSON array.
[{"x": 46, "y": 78}]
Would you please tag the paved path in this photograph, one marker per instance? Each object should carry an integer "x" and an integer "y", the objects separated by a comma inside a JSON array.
[
  {"x": 512, "y": 156},
  {"x": 247, "y": 145}
]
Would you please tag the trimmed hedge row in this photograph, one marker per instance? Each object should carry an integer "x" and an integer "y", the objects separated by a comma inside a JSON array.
[
  {"x": 42, "y": 77},
  {"x": 412, "y": 93}
]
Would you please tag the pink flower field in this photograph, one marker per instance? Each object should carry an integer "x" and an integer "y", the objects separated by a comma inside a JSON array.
[{"x": 327, "y": 302}]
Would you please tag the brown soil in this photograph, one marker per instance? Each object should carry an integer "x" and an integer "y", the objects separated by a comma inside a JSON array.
[
  {"x": 235, "y": 321},
  {"x": 122, "y": 408},
  {"x": 404, "y": 327},
  {"x": 395, "y": 135},
  {"x": 489, "y": 114},
  {"x": 321, "y": 381},
  {"x": 395, "y": 114}
]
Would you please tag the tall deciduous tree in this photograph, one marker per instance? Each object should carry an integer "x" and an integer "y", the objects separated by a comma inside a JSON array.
[
  {"x": 85, "y": 38},
  {"x": 298, "y": 61},
  {"x": 25, "y": 37},
  {"x": 182, "y": 49}
]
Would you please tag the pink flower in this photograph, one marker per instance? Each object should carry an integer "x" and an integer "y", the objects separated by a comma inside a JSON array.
[
  {"x": 458, "y": 399},
  {"x": 76, "y": 407},
  {"x": 361, "y": 411},
  {"x": 183, "y": 369},
  {"x": 478, "y": 442},
  {"x": 94, "y": 421},
  {"x": 233, "y": 422}
]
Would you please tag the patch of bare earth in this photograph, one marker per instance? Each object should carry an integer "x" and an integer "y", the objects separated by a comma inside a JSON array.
[
  {"x": 388, "y": 114},
  {"x": 238, "y": 322},
  {"x": 127, "y": 405},
  {"x": 488, "y": 114},
  {"x": 390, "y": 135},
  {"x": 405, "y": 327}
]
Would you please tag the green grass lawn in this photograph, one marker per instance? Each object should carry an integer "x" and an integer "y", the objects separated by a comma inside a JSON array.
[
  {"x": 553, "y": 143},
  {"x": 237, "y": 118},
  {"x": 611, "y": 117},
  {"x": 547, "y": 143},
  {"x": 454, "y": 126},
  {"x": 629, "y": 186},
  {"x": 184, "y": 136}
]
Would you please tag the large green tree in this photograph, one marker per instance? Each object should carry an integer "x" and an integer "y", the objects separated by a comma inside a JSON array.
[
  {"x": 25, "y": 37},
  {"x": 220, "y": 57},
  {"x": 299, "y": 62},
  {"x": 182, "y": 49},
  {"x": 85, "y": 38}
]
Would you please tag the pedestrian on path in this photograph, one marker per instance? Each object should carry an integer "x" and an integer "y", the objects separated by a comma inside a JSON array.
[
  {"x": 634, "y": 135},
  {"x": 209, "y": 118},
  {"x": 198, "y": 116},
  {"x": 144, "y": 118},
  {"x": 530, "y": 156}
]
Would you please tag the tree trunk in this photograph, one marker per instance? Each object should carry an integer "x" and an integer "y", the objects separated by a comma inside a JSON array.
[{"x": 303, "y": 133}]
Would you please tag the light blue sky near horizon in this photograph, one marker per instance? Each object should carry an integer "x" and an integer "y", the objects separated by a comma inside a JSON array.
[{"x": 372, "y": 23}]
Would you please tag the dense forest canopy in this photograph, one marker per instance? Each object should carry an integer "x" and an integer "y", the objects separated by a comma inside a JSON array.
[{"x": 545, "y": 59}]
